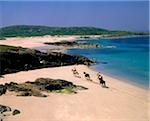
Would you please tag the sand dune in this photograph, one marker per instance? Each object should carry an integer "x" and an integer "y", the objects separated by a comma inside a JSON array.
[{"x": 120, "y": 102}]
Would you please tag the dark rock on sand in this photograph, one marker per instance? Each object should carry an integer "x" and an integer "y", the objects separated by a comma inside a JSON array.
[
  {"x": 78, "y": 87},
  {"x": 4, "y": 109},
  {"x": 41, "y": 85},
  {"x": 14, "y": 87},
  {"x": 73, "y": 44},
  {"x": 3, "y": 89},
  {"x": 8, "y": 111},
  {"x": 51, "y": 84},
  {"x": 15, "y": 112}
]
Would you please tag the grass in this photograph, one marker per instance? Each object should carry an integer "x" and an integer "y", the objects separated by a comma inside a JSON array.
[
  {"x": 66, "y": 90},
  {"x": 6, "y": 48},
  {"x": 33, "y": 90}
]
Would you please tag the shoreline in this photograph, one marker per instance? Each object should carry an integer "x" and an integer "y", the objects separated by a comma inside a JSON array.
[
  {"x": 121, "y": 79},
  {"x": 34, "y": 45},
  {"x": 38, "y": 41},
  {"x": 120, "y": 101}
]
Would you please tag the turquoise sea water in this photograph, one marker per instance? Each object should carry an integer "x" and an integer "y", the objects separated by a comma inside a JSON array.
[{"x": 128, "y": 61}]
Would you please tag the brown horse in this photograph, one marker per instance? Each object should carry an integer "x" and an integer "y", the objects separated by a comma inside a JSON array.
[
  {"x": 87, "y": 76},
  {"x": 75, "y": 73},
  {"x": 101, "y": 81}
]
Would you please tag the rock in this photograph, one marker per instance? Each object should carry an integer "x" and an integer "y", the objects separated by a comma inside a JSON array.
[
  {"x": 62, "y": 43},
  {"x": 41, "y": 85},
  {"x": 4, "y": 109},
  {"x": 78, "y": 87},
  {"x": 25, "y": 93},
  {"x": 2, "y": 89},
  {"x": 15, "y": 87},
  {"x": 83, "y": 60},
  {"x": 14, "y": 59},
  {"x": 73, "y": 44},
  {"x": 15, "y": 112},
  {"x": 50, "y": 84},
  {"x": 7, "y": 111}
]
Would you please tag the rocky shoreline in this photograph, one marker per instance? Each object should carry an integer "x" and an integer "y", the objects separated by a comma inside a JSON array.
[
  {"x": 74, "y": 44},
  {"x": 14, "y": 59}
]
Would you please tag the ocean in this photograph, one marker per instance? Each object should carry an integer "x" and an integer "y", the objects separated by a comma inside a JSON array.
[{"x": 129, "y": 60}]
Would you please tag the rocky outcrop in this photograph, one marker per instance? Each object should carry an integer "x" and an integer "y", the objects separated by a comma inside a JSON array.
[
  {"x": 41, "y": 85},
  {"x": 15, "y": 112},
  {"x": 51, "y": 84},
  {"x": 15, "y": 59},
  {"x": 74, "y": 44},
  {"x": 83, "y": 60},
  {"x": 2, "y": 89}
]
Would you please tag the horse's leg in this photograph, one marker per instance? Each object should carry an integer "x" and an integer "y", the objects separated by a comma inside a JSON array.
[{"x": 104, "y": 84}]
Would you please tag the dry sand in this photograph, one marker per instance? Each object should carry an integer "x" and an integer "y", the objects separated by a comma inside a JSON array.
[
  {"x": 120, "y": 102},
  {"x": 37, "y": 42},
  {"x": 32, "y": 42}
]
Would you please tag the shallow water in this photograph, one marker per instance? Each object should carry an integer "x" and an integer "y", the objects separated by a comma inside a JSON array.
[{"x": 129, "y": 60}]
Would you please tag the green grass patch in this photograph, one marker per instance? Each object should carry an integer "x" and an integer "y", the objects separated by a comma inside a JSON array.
[
  {"x": 6, "y": 48},
  {"x": 66, "y": 90}
]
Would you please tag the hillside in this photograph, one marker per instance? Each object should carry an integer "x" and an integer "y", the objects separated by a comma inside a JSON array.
[{"x": 27, "y": 31}]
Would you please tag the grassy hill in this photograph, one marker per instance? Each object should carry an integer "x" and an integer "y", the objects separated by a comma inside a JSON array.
[{"x": 27, "y": 31}]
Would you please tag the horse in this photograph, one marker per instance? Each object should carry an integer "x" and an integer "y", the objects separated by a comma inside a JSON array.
[
  {"x": 102, "y": 82},
  {"x": 87, "y": 76},
  {"x": 75, "y": 73}
]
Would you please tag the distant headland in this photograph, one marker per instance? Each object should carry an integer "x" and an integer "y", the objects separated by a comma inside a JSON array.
[{"x": 31, "y": 30}]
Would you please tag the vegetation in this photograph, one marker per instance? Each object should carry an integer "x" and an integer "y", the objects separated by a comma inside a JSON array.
[
  {"x": 27, "y": 31},
  {"x": 5, "y": 48},
  {"x": 41, "y": 85}
]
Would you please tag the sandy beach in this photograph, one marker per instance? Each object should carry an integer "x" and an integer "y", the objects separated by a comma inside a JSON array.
[
  {"x": 79, "y": 60},
  {"x": 32, "y": 42},
  {"x": 120, "y": 102},
  {"x": 38, "y": 41}
]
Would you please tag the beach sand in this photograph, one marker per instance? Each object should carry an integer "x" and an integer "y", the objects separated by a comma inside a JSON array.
[
  {"x": 37, "y": 41},
  {"x": 120, "y": 102}
]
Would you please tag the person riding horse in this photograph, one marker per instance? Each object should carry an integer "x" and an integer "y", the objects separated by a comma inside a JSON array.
[
  {"x": 75, "y": 73},
  {"x": 87, "y": 76},
  {"x": 101, "y": 81}
]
